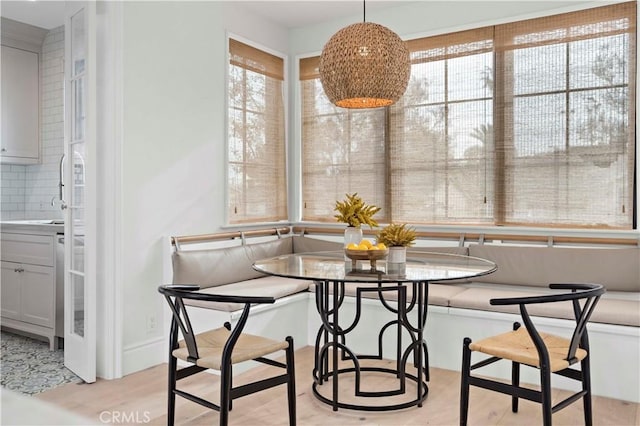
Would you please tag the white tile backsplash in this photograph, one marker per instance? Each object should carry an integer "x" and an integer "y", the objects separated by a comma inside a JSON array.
[
  {"x": 12, "y": 191},
  {"x": 26, "y": 191}
]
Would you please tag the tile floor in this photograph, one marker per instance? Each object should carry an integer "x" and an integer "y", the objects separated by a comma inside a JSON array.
[{"x": 28, "y": 366}]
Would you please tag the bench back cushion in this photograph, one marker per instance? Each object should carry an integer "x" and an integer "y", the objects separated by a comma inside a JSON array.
[
  {"x": 303, "y": 244},
  {"x": 618, "y": 269},
  {"x": 464, "y": 251},
  {"x": 219, "y": 266}
]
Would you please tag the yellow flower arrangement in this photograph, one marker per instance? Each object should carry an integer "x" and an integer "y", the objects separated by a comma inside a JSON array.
[
  {"x": 397, "y": 235},
  {"x": 354, "y": 212}
]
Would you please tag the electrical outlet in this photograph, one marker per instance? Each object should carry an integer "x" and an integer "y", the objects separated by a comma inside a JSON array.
[{"x": 152, "y": 323}]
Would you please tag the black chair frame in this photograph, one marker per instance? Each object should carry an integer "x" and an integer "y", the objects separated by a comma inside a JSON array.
[
  {"x": 589, "y": 294},
  {"x": 174, "y": 294}
]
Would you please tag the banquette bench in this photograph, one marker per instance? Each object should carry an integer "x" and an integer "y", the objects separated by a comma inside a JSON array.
[
  {"x": 455, "y": 309},
  {"x": 228, "y": 270}
]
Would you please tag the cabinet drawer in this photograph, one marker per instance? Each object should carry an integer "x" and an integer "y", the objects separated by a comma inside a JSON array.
[{"x": 31, "y": 249}]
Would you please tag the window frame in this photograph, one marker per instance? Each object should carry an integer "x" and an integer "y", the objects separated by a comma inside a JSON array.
[{"x": 284, "y": 217}]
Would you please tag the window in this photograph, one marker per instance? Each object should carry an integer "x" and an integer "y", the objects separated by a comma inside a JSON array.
[
  {"x": 567, "y": 101},
  {"x": 344, "y": 150},
  {"x": 442, "y": 132},
  {"x": 530, "y": 123},
  {"x": 256, "y": 136}
]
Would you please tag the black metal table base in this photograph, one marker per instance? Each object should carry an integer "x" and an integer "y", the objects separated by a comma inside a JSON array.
[
  {"x": 387, "y": 407},
  {"x": 331, "y": 345}
]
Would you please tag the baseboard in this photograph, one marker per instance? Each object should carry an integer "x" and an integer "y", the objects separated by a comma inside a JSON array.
[{"x": 143, "y": 355}]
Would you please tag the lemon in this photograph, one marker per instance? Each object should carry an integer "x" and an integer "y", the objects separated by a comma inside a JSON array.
[
  {"x": 381, "y": 246},
  {"x": 352, "y": 246},
  {"x": 366, "y": 243},
  {"x": 362, "y": 246}
]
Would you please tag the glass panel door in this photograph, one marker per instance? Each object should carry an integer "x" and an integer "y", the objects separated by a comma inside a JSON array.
[{"x": 80, "y": 279}]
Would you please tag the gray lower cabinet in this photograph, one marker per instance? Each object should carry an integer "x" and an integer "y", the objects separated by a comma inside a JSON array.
[
  {"x": 10, "y": 290},
  {"x": 28, "y": 285}
]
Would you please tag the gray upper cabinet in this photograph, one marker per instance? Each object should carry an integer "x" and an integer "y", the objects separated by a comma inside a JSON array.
[{"x": 20, "y": 142}]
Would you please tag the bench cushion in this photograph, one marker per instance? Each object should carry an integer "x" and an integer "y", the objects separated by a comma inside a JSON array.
[
  {"x": 608, "y": 310},
  {"x": 214, "y": 267},
  {"x": 267, "y": 286},
  {"x": 618, "y": 269}
]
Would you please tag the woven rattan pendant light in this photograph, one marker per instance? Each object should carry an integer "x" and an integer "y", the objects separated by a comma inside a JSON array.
[{"x": 364, "y": 65}]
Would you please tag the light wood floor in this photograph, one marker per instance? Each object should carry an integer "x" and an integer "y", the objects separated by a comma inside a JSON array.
[{"x": 141, "y": 398}]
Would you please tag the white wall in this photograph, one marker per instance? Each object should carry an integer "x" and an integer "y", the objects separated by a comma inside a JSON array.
[
  {"x": 173, "y": 147},
  {"x": 424, "y": 18}
]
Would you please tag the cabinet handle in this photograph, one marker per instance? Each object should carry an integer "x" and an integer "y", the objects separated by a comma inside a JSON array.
[
  {"x": 3, "y": 150},
  {"x": 18, "y": 270}
]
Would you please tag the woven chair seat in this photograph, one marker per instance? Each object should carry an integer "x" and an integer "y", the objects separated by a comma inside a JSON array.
[
  {"x": 517, "y": 346},
  {"x": 211, "y": 343}
]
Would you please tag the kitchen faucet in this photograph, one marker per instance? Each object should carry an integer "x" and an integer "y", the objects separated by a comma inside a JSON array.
[{"x": 63, "y": 205}]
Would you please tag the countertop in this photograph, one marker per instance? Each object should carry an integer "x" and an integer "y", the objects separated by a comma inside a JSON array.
[{"x": 34, "y": 226}]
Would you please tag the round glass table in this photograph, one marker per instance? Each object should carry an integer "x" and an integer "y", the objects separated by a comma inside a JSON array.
[{"x": 402, "y": 288}]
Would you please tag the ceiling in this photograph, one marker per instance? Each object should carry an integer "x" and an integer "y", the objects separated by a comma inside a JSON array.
[
  {"x": 43, "y": 14},
  {"x": 290, "y": 14},
  {"x": 294, "y": 14}
]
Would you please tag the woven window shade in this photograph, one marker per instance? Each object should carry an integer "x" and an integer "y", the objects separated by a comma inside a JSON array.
[
  {"x": 441, "y": 132},
  {"x": 567, "y": 110},
  {"x": 529, "y": 123},
  {"x": 256, "y": 136},
  {"x": 344, "y": 152},
  {"x": 256, "y": 60},
  {"x": 310, "y": 68}
]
